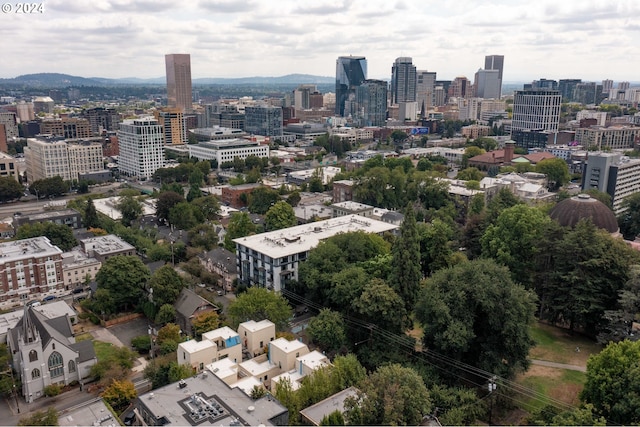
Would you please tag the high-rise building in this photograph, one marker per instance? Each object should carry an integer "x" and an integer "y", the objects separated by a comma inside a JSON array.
[
  {"x": 425, "y": 89},
  {"x": 495, "y": 62},
  {"x": 351, "y": 71},
  {"x": 536, "y": 110},
  {"x": 487, "y": 84},
  {"x": 102, "y": 119},
  {"x": 607, "y": 85},
  {"x": 403, "y": 81},
  {"x": 173, "y": 125},
  {"x": 68, "y": 127},
  {"x": 263, "y": 120},
  {"x": 623, "y": 85},
  {"x": 25, "y": 111},
  {"x": 302, "y": 96},
  {"x": 460, "y": 88},
  {"x": 567, "y": 88},
  {"x": 542, "y": 84},
  {"x": 179, "y": 81},
  {"x": 371, "y": 98},
  {"x": 141, "y": 144}
]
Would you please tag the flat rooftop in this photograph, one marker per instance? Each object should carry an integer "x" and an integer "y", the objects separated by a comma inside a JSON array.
[
  {"x": 43, "y": 216},
  {"x": 106, "y": 244},
  {"x": 253, "y": 326},
  {"x": 27, "y": 248},
  {"x": 352, "y": 206},
  {"x": 302, "y": 238},
  {"x": 224, "y": 332},
  {"x": 212, "y": 401},
  {"x": 315, "y": 413}
]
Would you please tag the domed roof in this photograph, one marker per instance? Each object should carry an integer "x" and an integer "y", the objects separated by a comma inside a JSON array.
[{"x": 569, "y": 211}]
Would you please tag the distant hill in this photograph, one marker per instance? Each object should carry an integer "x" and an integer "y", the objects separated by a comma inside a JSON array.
[{"x": 52, "y": 80}]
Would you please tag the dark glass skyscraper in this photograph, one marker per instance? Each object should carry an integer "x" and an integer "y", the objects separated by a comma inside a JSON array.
[
  {"x": 351, "y": 71},
  {"x": 371, "y": 103},
  {"x": 403, "y": 81}
]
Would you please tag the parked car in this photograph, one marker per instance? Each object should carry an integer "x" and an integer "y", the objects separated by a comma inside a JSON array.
[
  {"x": 78, "y": 290},
  {"x": 129, "y": 418},
  {"x": 220, "y": 293},
  {"x": 49, "y": 298}
]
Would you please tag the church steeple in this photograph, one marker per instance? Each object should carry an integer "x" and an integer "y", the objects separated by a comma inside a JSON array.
[{"x": 29, "y": 332}]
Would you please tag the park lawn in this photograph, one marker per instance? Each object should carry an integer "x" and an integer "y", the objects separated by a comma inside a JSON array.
[
  {"x": 557, "y": 384},
  {"x": 555, "y": 344},
  {"x": 84, "y": 337}
]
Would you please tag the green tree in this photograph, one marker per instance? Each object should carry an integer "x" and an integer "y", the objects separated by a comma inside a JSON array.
[
  {"x": 619, "y": 322},
  {"x": 209, "y": 206},
  {"x": 327, "y": 330},
  {"x": 392, "y": 395},
  {"x": 59, "y": 235},
  {"x": 259, "y": 304},
  {"x": 280, "y": 215},
  {"x": 120, "y": 394},
  {"x": 184, "y": 216},
  {"x": 629, "y": 219},
  {"x": 166, "y": 314},
  {"x": 381, "y": 305},
  {"x": 91, "y": 219},
  {"x": 166, "y": 201},
  {"x": 261, "y": 199},
  {"x": 557, "y": 172},
  {"x": 613, "y": 381},
  {"x": 602, "y": 196},
  {"x": 124, "y": 277},
  {"x": 590, "y": 268},
  {"x": 473, "y": 312},
  {"x": 333, "y": 419},
  {"x": 130, "y": 208},
  {"x": 194, "y": 193},
  {"x": 166, "y": 284},
  {"x": 294, "y": 198},
  {"x": 141, "y": 343},
  {"x": 41, "y": 418},
  {"x": 169, "y": 332},
  {"x": 240, "y": 225},
  {"x": 10, "y": 189},
  {"x": 513, "y": 240},
  {"x": 470, "y": 174},
  {"x": 435, "y": 245},
  {"x": 405, "y": 268},
  {"x": 205, "y": 322},
  {"x": 203, "y": 236},
  {"x": 49, "y": 187}
]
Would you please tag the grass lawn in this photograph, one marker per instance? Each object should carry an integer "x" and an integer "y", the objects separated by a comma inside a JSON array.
[
  {"x": 559, "y": 384},
  {"x": 558, "y": 345},
  {"x": 84, "y": 337},
  {"x": 104, "y": 350}
]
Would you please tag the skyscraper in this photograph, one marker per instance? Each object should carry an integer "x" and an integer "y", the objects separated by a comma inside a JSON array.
[
  {"x": 263, "y": 120},
  {"x": 351, "y": 71},
  {"x": 371, "y": 100},
  {"x": 179, "y": 80},
  {"x": 403, "y": 81},
  {"x": 425, "y": 86},
  {"x": 487, "y": 84},
  {"x": 495, "y": 62}
]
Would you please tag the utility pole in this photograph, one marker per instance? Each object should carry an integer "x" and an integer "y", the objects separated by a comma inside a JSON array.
[{"x": 491, "y": 387}]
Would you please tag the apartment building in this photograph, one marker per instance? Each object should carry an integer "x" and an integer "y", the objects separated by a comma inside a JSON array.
[
  {"x": 613, "y": 137},
  {"x": 68, "y": 128},
  {"x": 141, "y": 147},
  {"x": 270, "y": 259},
  {"x": 50, "y": 158},
  {"x": 29, "y": 268},
  {"x": 612, "y": 173}
]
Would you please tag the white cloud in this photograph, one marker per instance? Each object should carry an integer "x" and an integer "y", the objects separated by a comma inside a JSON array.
[{"x": 590, "y": 39}]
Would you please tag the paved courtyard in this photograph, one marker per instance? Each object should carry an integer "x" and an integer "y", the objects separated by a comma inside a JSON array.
[{"x": 125, "y": 332}]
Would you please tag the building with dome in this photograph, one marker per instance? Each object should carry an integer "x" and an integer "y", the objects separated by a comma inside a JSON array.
[{"x": 569, "y": 211}]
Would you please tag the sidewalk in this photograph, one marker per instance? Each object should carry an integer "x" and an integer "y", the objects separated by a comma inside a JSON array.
[
  {"x": 61, "y": 402},
  {"x": 558, "y": 365}
]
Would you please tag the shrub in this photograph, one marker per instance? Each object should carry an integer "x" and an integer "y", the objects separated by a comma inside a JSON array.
[
  {"x": 52, "y": 390},
  {"x": 141, "y": 343}
]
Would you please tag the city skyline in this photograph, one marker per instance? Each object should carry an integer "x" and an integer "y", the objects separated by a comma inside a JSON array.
[{"x": 591, "y": 40}]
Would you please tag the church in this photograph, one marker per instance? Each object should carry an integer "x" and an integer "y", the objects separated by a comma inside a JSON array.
[{"x": 44, "y": 352}]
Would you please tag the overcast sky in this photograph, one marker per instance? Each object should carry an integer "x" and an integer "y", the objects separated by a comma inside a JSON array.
[{"x": 587, "y": 39}]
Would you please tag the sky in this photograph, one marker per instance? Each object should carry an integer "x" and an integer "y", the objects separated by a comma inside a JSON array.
[{"x": 587, "y": 39}]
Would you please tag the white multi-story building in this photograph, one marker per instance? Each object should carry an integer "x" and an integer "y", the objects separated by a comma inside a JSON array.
[
  {"x": 536, "y": 110},
  {"x": 600, "y": 116},
  {"x": 270, "y": 259},
  {"x": 612, "y": 173},
  {"x": 47, "y": 159},
  {"x": 141, "y": 147},
  {"x": 614, "y": 137},
  {"x": 29, "y": 268},
  {"x": 227, "y": 149},
  {"x": 77, "y": 267}
]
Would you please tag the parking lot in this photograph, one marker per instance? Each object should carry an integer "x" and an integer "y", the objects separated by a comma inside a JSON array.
[{"x": 126, "y": 331}]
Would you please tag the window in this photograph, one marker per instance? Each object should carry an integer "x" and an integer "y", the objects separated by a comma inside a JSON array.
[
  {"x": 72, "y": 366},
  {"x": 35, "y": 374},
  {"x": 56, "y": 366},
  {"x": 33, "y": 356}
]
